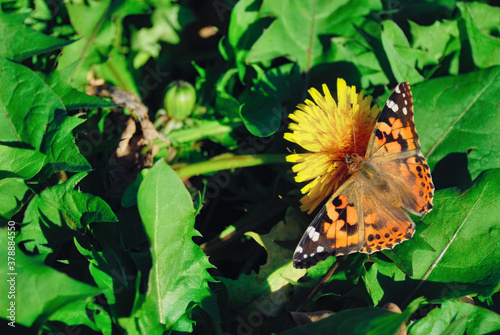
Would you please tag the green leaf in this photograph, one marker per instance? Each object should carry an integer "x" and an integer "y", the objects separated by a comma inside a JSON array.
[
  {"x": 59, "y": 144},
  {"x": 362, "y": 321},
  {"x": 268, "y": 290},
  {"x": 59, "y": 82},
  {"x": 81, "y": 313},
  {"x": 455, "y": 317},
  {"x": 27, "y": 105},
  {"x": 462, "y": 223},
  {"x": 23, "y": 163},
  {"x": 402, "y": 68},
  {"x": 245, "y": 27},
  {"x": 487, "y": 17},
  {"x": 179, "y": 277},
  {"x": 298, "y": 26},
  {"x": 437, "y": 41},
  {"x": 385, "y": 282},
  {"x": 31, "y": 274},
  {"x": 460, "y": 114},
  {"x": 99, "y": 26},
  {"x": 168, "y": 19},
  {"x": 57, "y": 213},
  {"x": 20, "y": 41},
  {"x": 485, "y": 49},
  {"x": 261, "y": 109},
  {"x": 12, "y": 193},
  {"x": 32, "y": 114}
]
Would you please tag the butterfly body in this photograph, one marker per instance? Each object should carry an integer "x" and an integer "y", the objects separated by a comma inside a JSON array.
[{"x": 368, "y": 212}]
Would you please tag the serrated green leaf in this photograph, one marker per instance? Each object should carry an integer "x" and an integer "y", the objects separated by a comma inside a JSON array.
[
  {"x": 458, "y": 114},
  {"x": 437, "y": 41},
  {"x": 59, "y": 145},
  {"x": 12, "y": 192},
  {"x": 58, "y": 289},
  {"x": 455, "y": 317},
  {"x": 73, "y": 99},
  {"x": 33, "y": 115},
  {"x": 462, "y": 223},
  {"x": 27, "y": 105},
  {"x": 402, "y": 68},
  {"x": 17, "y": 162},
  {"x": 485, "y": 49},
  {"x": 267, "y": 290},
  {"x": 299, "y": 24},
  {"x": 20, "y": 41},
  {"x": 57, "y": 213},
  {"x": 179, "y": 276},
  {"x": 82, "y": 314},
  {"x": 245, "y": 27}
]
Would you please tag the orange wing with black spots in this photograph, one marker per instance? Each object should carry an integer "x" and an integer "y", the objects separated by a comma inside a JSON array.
[{"x": 368, "y": 212}]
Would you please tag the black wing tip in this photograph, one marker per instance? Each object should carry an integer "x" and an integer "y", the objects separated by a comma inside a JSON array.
[{"x": 299, "y": 262}]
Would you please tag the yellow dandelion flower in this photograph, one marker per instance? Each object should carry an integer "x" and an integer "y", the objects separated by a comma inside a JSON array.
[{"x": 329, "y": 131}]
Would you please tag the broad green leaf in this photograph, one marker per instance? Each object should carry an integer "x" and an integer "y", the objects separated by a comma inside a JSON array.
[
  {"x": 485, "y": 49},
  {"x": 455, "y": 317},
  {"x": 355, "y": 50},
  {"x": 109, "y": 273},
  {"x": 268, "y": 289},
  {"x": 261, "y": 109},
  {"x": 298, "y": 26},
  {"x": 245, "y": 27},
  {"x": 24, "y": 163},
  {"x": 32, "y": 114},
  {"x": 59, "y": 82},
  {"x": 459, "y": 114},
  {"x": 27, "y": 105},
  {"x": 20, "y": 41},
  {"x": 99, "y": 26},
  {"x": 117, "y": 71},
  {"x": 437, "y": 41},
  {"x": 383, "y": 281},
  {"x": 359, "y": 321},
  {"x": 79, "y": 315},
  {"x": 402, "y": 68},
  {"x": 178, "y": 278},
  {"x": 486, "y": 17},
  {"x": 57, "y": 213},
  {"x": 59, "y": 145},
  {"x": 457, "y": 241},
  {"x": 12, "y": 192},
  {"x": 39, "y": 289}
]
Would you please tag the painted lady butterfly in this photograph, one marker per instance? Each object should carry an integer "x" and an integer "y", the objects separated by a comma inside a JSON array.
[{"x": 369, "y": 210}]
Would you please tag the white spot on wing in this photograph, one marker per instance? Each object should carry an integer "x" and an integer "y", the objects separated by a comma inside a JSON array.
[
  {"x": 397, "y": 89},
  {"x": 319, "y": 249},
  {"x": 315, "y": 236},
  {"x": 395, "y": 108},
  {"x": 405, "y": 111},
  {"x": 404, "y": 95},
  {"x": 310, "y": 231},
  {"x": 312, "y": 254},
  {"x": 305, "y": 255},
  {"x": 299, "y": 249},
  {"x": 390, "y": 103}
]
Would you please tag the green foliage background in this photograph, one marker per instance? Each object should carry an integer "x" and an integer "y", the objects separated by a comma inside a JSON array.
[{"x": 199, "y": 238}]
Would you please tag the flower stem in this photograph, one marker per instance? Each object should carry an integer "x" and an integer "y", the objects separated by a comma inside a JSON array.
[{"x": 227, "y": 162}]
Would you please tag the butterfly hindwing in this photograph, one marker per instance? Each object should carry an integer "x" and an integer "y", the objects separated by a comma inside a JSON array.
[{"x": 334, "y": 230}]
